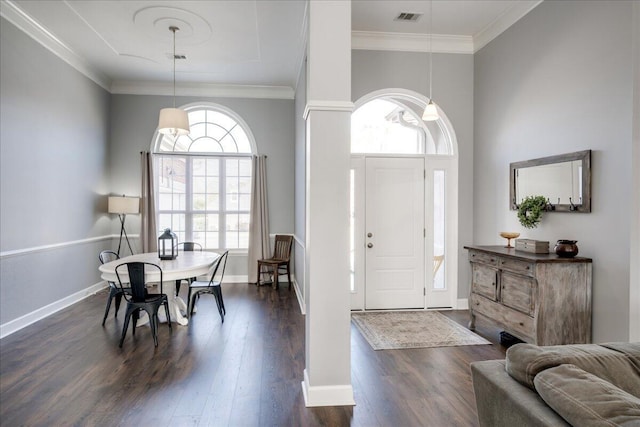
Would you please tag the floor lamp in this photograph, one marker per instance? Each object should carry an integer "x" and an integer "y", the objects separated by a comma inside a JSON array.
[{"x": 122, "y": 206}]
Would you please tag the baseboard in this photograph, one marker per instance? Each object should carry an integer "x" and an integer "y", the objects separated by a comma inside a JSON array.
[
  {"x": 39, "y": 314},
  {"x": 296, "y": 287},
  {"x": 462, "y": 304},
  {"x": 335, "y": 395},
  {"x": 236, "y": 279}
]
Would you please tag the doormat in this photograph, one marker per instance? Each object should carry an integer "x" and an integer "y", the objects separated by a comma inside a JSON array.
[{"x": 392, "y": 330}]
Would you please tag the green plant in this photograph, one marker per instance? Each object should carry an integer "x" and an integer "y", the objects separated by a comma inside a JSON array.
[{"x": 530, "y": 211}]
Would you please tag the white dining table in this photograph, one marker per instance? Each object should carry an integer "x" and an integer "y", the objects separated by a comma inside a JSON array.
[{"x": 186, "y": 265}]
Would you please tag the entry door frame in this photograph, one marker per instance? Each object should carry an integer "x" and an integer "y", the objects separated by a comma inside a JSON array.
[{"x": 431, "y": 162}]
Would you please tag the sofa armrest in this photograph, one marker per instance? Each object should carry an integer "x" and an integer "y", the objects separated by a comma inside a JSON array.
[{"x": 503, "y": 402}]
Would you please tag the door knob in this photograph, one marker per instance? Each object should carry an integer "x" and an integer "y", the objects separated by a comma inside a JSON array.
[
  {"x": 369, "y": 245},
  {"x": 369, "y": 234}
]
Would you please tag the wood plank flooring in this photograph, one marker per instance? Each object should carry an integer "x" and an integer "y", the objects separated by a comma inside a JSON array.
[{"x": 68, "y": 370}]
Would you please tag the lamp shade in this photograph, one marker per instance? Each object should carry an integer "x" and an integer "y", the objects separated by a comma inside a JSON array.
[
  {"x": 173, "y": 121},
  {"x": 430, "y": 112},
  {"x": 124, "y": 205}
]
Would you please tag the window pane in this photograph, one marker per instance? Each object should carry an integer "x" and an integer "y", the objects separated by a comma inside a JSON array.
[
  {"x": 213, "y": 202},
  {"x": 382, "y": 126},
  {"x": 438, "y": 229},
  {"x": 212, "y": 240},
  {"x": 199, "y": 166},
  {"x": 196, "y": 116},
  {"x": 213, "y": 222},
  {"x": 199, "y": 184},
  {"x": 243, "y": 222},
  {"x": 232, "y": 202},
  {"x": 241, "y": 140},
  {"x": 199, "y": 202},
  {"x": 232, "y": 240},
  {"x": 245, "y": 202},
  {"x": 243, "y": 240}
]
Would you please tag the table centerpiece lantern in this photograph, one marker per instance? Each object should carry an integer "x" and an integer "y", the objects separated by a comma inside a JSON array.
[{"x": 167, "y": 245}]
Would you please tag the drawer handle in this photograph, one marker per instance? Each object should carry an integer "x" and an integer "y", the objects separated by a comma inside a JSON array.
[
  {"x": 521, "y": 324},
  {"x": 492, "y": 260},
  {"x": 528, "y": 267}
]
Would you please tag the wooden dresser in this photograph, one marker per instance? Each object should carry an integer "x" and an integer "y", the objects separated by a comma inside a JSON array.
[{"x": 540, "y": 298}]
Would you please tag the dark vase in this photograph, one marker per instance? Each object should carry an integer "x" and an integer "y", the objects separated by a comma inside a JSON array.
[{"x": 566, "y": 248}]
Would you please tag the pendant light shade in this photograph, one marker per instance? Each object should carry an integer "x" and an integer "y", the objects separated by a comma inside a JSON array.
[
  {"x": 173, "y": 121},
  {"x": 431, "y": 111}
]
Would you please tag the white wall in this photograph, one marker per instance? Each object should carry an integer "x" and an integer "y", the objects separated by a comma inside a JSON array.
[
  {"x": 560, "y": 80},
  {"x": 53, "y": 177},
  {"x": 134, "y": 119}
]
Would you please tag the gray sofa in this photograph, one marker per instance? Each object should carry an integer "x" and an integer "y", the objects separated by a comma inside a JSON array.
[{"x": 578, "y": 385}]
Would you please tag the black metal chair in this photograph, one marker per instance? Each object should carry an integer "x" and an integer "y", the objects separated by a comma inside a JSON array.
[
  {"x": 114, "y": 290},
  {"x": 210, "y": 287},
  {"x": 140, "y": 299},
  {"x": 186, "y": 247}
]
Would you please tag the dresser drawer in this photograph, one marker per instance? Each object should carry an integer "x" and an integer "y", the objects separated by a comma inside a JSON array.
[
  {"x": 513, "y": 321},
  {"x": 481, "y": 257},
  {"x": 484, "y": 281},
  {"x": 518, "y": 292},
  {"x": 516, "y": 266}
]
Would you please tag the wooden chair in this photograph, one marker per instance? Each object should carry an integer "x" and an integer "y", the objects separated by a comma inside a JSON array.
[{"x": 279, "y": 263}]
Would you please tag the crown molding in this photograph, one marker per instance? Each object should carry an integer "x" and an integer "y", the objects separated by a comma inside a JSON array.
[
  {"x": 408, "y": 42},
  {"x": 503, "y": 22},
  {"x": 202, "y": 90},
  {"x": 12, "y": 13}
]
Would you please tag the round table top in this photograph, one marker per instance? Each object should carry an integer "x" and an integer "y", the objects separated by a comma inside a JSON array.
[{"x": 186, "y": 265}]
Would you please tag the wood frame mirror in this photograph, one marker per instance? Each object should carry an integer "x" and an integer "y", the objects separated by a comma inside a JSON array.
[{"x": 565, "y": 180}]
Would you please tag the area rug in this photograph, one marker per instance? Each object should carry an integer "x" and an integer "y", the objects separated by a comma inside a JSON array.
[{"x": 412, "y": 329}]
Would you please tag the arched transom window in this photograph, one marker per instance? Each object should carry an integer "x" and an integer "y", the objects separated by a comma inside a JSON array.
[{"x": 203, "y": 184}]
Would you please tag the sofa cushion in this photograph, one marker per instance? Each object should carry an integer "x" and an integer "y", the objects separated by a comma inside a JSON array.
[
  {"x": 583, "y": 399},
  {"x": 618, "y": 363}
]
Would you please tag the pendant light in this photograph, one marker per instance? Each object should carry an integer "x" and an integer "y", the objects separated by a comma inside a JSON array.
[
  {"x": 173, "y": 121},
  {"x": 431, "y": 111}
]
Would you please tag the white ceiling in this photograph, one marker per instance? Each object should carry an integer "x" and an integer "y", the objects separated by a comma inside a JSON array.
[{"x": 126, "y": 46}]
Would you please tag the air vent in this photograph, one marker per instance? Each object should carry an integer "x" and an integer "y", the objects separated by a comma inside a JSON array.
[
  {"x": 176, "y": 56},
  {"x": 408, "y": 16}
]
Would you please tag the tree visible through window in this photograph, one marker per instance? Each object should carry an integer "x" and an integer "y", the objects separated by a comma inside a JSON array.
[{"x": 204, "y": 180}]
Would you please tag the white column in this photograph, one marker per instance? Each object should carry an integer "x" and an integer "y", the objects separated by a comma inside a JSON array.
[{"x": 327, "y": 375}]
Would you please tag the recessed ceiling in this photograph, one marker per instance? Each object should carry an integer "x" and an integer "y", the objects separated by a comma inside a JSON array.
[{"x": 257, "y": 43}]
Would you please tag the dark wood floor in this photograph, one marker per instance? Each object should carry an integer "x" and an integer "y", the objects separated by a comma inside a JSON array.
[{"x": 68, "y": 370}]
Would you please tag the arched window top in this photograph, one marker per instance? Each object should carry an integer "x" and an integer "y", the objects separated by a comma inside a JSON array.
[
  {"x": 390, "y": 122},
  {"x": 214, "y": 130}
]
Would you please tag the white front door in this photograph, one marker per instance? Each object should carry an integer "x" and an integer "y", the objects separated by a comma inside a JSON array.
[{"x": 394, "y": 233}]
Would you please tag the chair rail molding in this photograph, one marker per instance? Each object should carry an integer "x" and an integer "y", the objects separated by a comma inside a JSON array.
[{"x": 34, "y": 249}]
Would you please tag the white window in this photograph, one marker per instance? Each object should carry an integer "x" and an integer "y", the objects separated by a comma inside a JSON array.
[{"x": 204, "y": 180}]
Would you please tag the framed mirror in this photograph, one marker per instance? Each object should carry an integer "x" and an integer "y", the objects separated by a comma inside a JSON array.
[{"x": 565, "y": 180}]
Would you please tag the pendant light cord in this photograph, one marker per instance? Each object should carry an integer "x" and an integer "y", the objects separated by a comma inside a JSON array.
[
  {"x": 430, "y": 50},
  {"x": 174, "y": 29}
]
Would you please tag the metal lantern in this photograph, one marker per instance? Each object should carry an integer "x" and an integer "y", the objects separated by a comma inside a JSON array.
[{"x": 167, "y": 245}]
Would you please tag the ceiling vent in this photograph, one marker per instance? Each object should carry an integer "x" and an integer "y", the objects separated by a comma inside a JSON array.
[
  {"x": 408, "y": 16},
  {"x": 176, "y": 56}
]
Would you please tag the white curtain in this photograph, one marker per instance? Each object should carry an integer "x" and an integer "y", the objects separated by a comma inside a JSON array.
[
  {"x": 148, "y": 227},
  {"x": 259, "y": 244}
]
